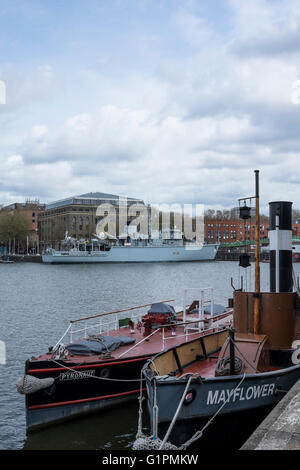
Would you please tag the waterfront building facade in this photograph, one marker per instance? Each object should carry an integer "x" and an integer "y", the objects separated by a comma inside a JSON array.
[
  {"x": 230, "y": 231},
  {"x": 77, "y": 217},
  {"x": 30, "y": 210}
]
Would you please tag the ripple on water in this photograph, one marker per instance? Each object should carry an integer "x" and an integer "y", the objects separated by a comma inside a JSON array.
[{"x": 37, "y": 302}]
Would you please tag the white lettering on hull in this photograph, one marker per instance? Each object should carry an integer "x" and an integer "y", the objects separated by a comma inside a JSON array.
[
  {"x": 253, "y": 392},
  {"x": 76, "y": 375}
]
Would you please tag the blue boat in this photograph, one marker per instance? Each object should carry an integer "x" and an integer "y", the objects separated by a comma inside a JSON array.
[{"x": 215, "y": 390}]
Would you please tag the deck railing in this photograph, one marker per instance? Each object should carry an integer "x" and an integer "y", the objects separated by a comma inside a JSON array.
[
  {"x": 114, "y": 320},
  {"x": 105, "y": 323}
]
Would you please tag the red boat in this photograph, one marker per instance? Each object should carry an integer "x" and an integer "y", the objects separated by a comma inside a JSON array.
[{"x": 103, "y": 369}]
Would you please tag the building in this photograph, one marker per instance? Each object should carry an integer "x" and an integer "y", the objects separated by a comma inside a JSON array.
[
  {"x": 76, "y": 217},
  {"x": 226, "y": 231},
  {"x": 30, "y": 209}
]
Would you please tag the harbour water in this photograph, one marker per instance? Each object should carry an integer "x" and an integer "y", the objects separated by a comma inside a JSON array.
[{"x": 37, "y": 302}]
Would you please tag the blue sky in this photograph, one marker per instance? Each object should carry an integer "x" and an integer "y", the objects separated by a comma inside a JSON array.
[{"x": 167, "y": 100}]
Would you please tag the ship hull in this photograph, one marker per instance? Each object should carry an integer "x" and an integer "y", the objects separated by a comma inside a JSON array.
[
  {"x": 250, "y": 400},
  {"x": 127, "y": 254},
  {"x": 74, "y": 394}
]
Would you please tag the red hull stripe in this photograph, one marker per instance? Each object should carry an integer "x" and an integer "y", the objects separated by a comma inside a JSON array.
[
  {"x": 102, "y": 364},
  {"x": 83, "y": 400}
]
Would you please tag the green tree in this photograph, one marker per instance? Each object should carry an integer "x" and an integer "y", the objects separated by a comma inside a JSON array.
[{"x": 14, "y": 226}]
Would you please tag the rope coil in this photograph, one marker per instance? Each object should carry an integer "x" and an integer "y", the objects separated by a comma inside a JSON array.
[{"x": 223, "y": 366}]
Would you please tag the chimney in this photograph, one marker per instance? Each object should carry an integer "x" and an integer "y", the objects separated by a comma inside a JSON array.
[{"x": 280, "y": 236}]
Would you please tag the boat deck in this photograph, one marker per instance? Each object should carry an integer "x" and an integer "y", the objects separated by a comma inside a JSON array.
[
  {"x": 206, "y": 367},
  {"x": 147, "y": 348}
]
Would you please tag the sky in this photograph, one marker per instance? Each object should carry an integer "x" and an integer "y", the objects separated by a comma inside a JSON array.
[{"x": 171, "y": 101}]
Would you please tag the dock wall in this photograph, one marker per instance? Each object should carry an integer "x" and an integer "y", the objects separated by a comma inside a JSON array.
[{"x": 281, "y": 429}]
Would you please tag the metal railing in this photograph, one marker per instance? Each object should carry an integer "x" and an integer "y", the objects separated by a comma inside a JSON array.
[
  {"x": 203, "y": 301},
  {"x": 104, "y": 325},
  {"x": 185, "y": 330}
]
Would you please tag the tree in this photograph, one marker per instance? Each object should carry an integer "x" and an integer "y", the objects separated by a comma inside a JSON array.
[{"x": 13, "y": 226}]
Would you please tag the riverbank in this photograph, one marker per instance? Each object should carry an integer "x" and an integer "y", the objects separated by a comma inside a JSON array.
[{"x": 22, "y": 258}]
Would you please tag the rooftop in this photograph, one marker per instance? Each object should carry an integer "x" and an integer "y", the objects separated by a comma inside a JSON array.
[{"x": 91, "y": 198}]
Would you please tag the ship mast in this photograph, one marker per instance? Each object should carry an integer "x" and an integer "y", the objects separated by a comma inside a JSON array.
[
  {"x": 245, "y": 213},
  {"x": 257, "y": 268}
]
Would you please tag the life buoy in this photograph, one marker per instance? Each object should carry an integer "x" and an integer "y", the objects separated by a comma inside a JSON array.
[{"x": 189, "y": 397}]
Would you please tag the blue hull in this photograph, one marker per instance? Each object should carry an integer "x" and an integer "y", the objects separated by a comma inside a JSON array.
[{"x": 256, "y": 394}]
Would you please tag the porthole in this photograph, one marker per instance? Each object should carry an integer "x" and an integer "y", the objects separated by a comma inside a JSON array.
[
  {"x": 105, "y": 372},
  {"x": 190, "y": 397}
]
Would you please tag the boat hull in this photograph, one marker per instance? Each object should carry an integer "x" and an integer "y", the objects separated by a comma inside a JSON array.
[
  {"x": 85, "y": 381},
  {"x": 131, "y": 254},
  {"x": 231, "y": 397},
  {"x": 76, "y": 390}
]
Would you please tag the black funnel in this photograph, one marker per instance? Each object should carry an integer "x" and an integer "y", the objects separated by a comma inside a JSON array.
[{"x": 280, "y": 236}]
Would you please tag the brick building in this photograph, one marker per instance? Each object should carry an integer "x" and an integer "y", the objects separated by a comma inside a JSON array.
[
  {"x": 30, "y": 209},
  {"x": 226, "y": 231}
]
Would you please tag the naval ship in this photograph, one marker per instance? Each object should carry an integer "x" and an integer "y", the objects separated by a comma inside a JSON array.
[{"x": 129, "y": 250}]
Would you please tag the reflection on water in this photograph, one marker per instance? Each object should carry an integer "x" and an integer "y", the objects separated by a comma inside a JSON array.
[
  {"x": 37, "y": 302},
  {"x": 109, "y": 430}
]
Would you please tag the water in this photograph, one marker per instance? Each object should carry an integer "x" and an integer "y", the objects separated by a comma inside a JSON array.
[{"x": 37, "y": 302}]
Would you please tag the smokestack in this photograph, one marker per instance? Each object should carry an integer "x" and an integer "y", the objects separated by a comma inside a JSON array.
[{"x": 280, "y": 236}]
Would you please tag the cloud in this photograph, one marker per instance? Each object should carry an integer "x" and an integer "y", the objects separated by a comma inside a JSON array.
[
  {"x": 25, "y": 89},
  {"x": 211, "y": 106},
  {"x": 266, "y": 28}
]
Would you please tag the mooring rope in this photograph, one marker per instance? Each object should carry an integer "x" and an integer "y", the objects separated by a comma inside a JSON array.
[
  {"x": 153, "y": 442},
  {"x": 140, "y": 398},
  {"x": 176, "y": 414},
  {"x": 199, "y": 434}
]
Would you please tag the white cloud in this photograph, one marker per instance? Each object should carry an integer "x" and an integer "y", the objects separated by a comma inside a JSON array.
[{"x": 192, "y": 128}]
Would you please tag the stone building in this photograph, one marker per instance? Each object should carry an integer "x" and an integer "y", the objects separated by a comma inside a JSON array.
[{"x": 76, "y": 217}]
